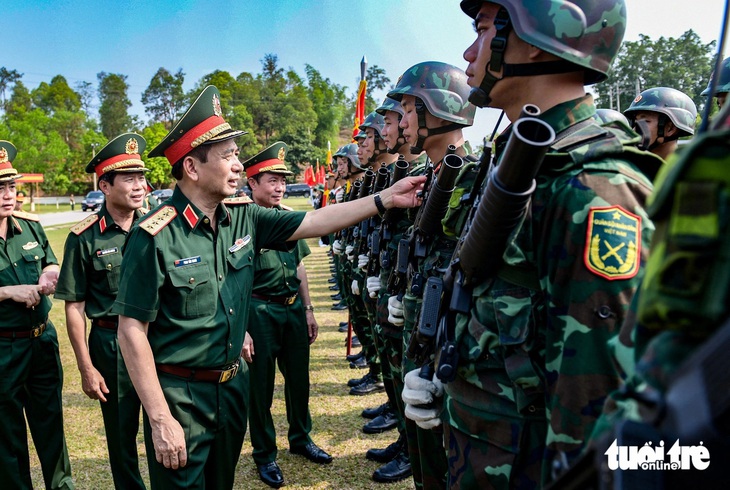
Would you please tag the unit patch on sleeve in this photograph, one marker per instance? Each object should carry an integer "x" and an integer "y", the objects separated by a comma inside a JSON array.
[{"x": 613, "y": 243}]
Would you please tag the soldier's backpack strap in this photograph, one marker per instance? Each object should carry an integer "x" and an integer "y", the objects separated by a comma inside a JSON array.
[
  {"x": 84, "y": 224},
  {"x": 159, "y": 219},
  {"x": 687, "y": 282}
]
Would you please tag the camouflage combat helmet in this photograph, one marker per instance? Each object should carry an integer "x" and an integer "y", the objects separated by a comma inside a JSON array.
[
  {"x": 349, "y": 151},
  {"x": 586, "y": 33},
  {"x": 394, "y": 106},
  {"x": 605, "y": 116},
  {"x": 668, "y": 102},
  {"x": 723, "y": 83},
  {"x": 375, "y": 121},
  {"x": 441, "y": 89}
]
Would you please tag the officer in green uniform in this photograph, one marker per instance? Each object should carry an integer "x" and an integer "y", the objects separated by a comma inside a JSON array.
[
  {"x": 89, "y": 281},
  {"x": 433, "y": 97},
  {"x": 184, "y": 295},
  {"x": 282, "y": 326},
  {"x": 32, "y": 376},
  {"x": 533, "y": 368}
]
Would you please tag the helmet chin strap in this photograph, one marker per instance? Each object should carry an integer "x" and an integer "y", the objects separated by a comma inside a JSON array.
[
  {"x": 479, "y": 96},
  {"x": 417, "y": 149},
  {"x": 378, "y": 150},
  {"x": 399, "y": 142}
]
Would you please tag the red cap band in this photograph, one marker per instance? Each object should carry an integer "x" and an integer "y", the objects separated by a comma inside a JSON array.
[
  {"x": 182, "y": 146},
  {"x": 116, "y": 161}
]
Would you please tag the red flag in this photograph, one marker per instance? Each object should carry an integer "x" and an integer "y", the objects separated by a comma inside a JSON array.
[
  {"x": 359, "y": 108},
  {"x": 320, "y": 175},
  {"x": 309, "y": 176}
]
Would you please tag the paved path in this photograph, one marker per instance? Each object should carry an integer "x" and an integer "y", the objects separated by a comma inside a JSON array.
[{"x": 62, "y": 218}]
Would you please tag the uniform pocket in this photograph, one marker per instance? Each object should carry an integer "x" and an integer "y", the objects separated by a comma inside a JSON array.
[
  {"x": 240, "y": 270},
  {"x": 108, "y": 268},
  {"x": 34, "y": 260},
  {"x": 194, "y": 286}
]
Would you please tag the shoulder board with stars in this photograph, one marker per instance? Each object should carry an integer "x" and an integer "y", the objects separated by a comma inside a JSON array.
[
  {"x": 84, "y": 224},
  {"x": 233, "y": 201},
  {"x": 158, "y": 220},
  {"x": 26, "y": 216},
  {"x": 286, "y": 208}
]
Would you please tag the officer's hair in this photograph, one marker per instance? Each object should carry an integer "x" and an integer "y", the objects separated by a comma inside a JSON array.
[
  {"x": 199, "y": 153},
  {"x": 108, "y": 177}
]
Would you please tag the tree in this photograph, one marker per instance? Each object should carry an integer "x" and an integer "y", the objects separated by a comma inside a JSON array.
[
  {"x": 164, "y": 98},
  {"x": 7, "y": 78},
  {"x": 114, "y": 104},
  {"x": 20, "y": 101},
  {"x": 86, "y": 95},
  {"x": 328, "y": 102},
  {"x": 56, "y": 96},
  {"x": 159, "y": 174},
  {"x": 377, "y": 80},
  {"x": 683, "y": 63}
]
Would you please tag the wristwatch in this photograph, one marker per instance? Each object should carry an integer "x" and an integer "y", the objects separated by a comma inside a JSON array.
[{"x": 309, "y": 307}]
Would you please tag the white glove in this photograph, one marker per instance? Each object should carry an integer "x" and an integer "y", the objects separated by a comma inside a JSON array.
[
  {"x": 337, "y": 247},
  {"x": 362, "y": 261},
  {"x": 372, "y": 283},
  {"x": 349, "y": 252},
  {"x": 355, "y": 288},
  {"x": 395, "y": 312},
  {"x": 418, "y": 392},
  {"x": 339, "y": 195}
]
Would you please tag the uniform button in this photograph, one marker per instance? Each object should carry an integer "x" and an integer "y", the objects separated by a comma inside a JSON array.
[
  {"x": 284, "y": 263},
  {"x": 220, "y": 277},
  {"x": 249, "y": 258},
  {"x": 230, "y": 310},
  {"x": 230, "y": 346},
  {"x": 35, "y": 257},
  {"x": 191, "y": 280},
  {"x": 605, "y": 312},
  {"x": 15, "y": 264},
  {"x": 109, "y": 267},
  {"x": 206, "y": 221}
]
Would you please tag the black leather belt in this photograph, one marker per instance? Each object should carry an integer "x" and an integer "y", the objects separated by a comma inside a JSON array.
[
  {"x": 209, "y": 375},
  {"x": 31, "y": 333},
  {"x": 282, "y": 300}
]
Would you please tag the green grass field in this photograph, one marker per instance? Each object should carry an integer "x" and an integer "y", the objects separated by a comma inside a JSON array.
[{"x": 337, "y": 425}]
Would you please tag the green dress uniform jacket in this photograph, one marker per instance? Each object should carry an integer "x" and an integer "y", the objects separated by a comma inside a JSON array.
[
  {"x": 534, "y": 369},
  {"x": 91, "y": 263},
  {"x": 193, "y": 286},
  {"x": 280, "y": 335},
  {"x": 32, "y": 376}
]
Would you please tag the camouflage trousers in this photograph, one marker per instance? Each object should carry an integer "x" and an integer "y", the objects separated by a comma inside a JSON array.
[
  {"x": 360, "y": 318},
  {"x": 425, "y": 447},
  {"x": 511, "y": 459},
  {"x": 390, "y": 351}
]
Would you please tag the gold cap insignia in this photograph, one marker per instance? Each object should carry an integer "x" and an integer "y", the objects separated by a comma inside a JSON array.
[
  {"x": 131, "y": 147},
  {"x": 281, "y": 154},
  {"x": 3, "y": 155},
  {"x": 217, "y": 106}
]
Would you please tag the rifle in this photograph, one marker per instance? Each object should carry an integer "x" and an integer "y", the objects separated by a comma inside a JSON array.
[
  {"x": 352, "y": 195},
  {"x": 362, "y": 228},
  {"x": 493, "y": 217},
  {"x": 397, "y": 278},
  {"x": 373, "y": 267}
]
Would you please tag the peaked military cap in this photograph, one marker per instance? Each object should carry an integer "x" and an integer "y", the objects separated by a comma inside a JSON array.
[
  {"x": 122, "y": 154},
  {"x": 7, "y": 155},
  {"x": 270, "y": 159},
  {"x": 202, "y": 124}
]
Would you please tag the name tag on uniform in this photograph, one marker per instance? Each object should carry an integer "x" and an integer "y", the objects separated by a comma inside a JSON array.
[
  {"x": 107, "y": 251},
  {"x": 30, "y": 245},
  {"x": 188, "y": 261},
  {"x": 240, "y": 243}
]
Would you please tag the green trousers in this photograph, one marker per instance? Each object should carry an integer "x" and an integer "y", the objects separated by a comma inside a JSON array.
[
  {"x": 213, "y": 417},
  {"x": 280, "y": 336},
  {"x": 120, "y": 410},
  {"x": 31, "y": 382}
]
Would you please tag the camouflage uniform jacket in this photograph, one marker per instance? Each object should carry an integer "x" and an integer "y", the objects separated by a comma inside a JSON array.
[{"x": 533, "y": 354}]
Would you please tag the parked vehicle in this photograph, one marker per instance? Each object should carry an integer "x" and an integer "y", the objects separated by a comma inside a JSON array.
[
  {"x": 297, "y": 190},
  {"x": 162, "y": 194},
  {"x": 92, "y": 201}
]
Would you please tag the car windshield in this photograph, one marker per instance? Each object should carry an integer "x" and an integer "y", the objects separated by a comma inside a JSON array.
[{"x": 95, "y": 195}]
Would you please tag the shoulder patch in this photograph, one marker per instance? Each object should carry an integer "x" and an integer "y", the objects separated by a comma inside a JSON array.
[
  {"x": 26, "y": 216},
  {"x": 158, "y": 220},
  {"x": 233, "y": 201},
  {"x": 84, "y": 224},
  {"x": 613, "y": 243},
  {"x": 286, "y": 208}
]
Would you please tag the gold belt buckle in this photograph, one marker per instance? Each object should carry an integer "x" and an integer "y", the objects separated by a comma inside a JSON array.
[
  {"x": 228, "y": 374},
  {"x": 290, "y": 300},
  {"x": 37, "y": 331}
]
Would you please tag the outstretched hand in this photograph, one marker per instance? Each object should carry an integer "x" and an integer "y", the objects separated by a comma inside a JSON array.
[{"x": 405, "y": 192}]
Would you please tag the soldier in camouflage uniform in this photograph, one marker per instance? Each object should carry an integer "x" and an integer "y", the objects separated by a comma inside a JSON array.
[
  {"x": 723, "y": 84},
  {"x": 663, "y": 115},
  {"x": 533, "y": 372},
  {"x": 433, "y": 97}
]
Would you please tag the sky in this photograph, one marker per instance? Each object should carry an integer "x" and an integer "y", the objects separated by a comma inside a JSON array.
[{"x": 80, "y": 38}]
